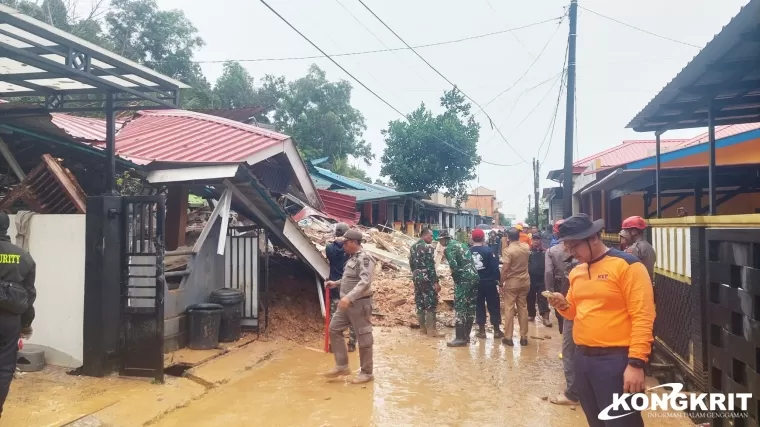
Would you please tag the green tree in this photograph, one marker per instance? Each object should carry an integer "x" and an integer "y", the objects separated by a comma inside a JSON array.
[
  {"x": 542, "y": 219},
  {"x": 341, "y": 166},
  {"x": 318, "y": 115},
  {"x": 163, "y": 39},
  {"x": 415, "y": 159},
  {"x": 504, "y": 221},
  {"x": 235, "y": 87}
]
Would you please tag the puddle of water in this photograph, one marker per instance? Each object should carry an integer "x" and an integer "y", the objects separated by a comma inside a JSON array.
[{"x": 418, "y": 381}]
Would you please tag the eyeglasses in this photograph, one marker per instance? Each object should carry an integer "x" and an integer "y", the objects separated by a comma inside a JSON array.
[{"x": 571, "y": 247}]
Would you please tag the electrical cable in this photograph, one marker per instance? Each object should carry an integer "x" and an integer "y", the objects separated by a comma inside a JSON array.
[
  {"x": 530, "y": 67},
  {"x": 511, "y": 32},
  {"x": 379, "y": 40},
  {"x": 639, "y": 29},
  {"x": 367, "y": 52},
  {"x": 509, "y": 113},
  {"x": 539, "y": 102},
  {"x": 364, "y": 85},
  {"x": 556, "y": 110},
  {"x": 444, "y": 77}
]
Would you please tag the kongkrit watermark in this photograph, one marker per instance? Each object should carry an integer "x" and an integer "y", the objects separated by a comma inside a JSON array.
[{"x": 715, "y": 403}]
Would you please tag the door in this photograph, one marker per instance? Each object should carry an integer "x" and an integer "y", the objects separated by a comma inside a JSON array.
[
  {"x": 141, "y": 344},
  {"x": 241, "y": 269}
]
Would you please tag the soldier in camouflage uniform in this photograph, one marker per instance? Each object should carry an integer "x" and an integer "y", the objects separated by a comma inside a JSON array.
[
  {"x": 426, "y": 287},
  {"x": 466, "y": 280}
]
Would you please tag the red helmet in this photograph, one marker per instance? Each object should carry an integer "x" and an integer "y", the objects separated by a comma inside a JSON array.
[
  {"x": 557, "y": 223},
  {"x": 635, "y": 222}
]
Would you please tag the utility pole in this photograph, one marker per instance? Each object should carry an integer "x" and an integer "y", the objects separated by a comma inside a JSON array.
[
  {"x": 527, "y": 216},
  {"x": 567, "y": 180},
  {"x": 535, "y": 191}
]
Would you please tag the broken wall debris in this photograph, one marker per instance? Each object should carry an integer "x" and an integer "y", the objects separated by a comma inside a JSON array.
[{"x": 392, "y": 284}]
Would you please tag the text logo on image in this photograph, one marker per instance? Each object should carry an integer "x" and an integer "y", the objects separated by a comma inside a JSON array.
[{"x": 713, "y": 403}]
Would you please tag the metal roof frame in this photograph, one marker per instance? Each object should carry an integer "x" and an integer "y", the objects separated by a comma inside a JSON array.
[
  {"x": 37, "y": 59},
  {"x": 722, "y": 79}
]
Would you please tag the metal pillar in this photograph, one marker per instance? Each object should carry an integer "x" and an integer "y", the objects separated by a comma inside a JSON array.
[
  {"x": 658, "y": 211},
  {"x": 110, "y": 146},
  {"x": 711, "y": 165},
  {"x": 567, "y": 180}
]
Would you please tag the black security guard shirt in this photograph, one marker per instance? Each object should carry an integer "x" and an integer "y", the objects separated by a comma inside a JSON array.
[{"x": 17, "y": 266}]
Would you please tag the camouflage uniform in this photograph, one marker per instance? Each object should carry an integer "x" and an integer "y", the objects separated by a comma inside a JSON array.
[
  {"x": 466, "y": 281},
  {"x": 424, "y": 277}
]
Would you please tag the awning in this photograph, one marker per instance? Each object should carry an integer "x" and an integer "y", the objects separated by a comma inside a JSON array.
[
  {"x": 622, "y": 182},
  {"x": 723, "y": 76}
]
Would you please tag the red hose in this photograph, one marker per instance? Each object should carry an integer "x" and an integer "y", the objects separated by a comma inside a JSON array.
[{"x": 327, "y": 319}]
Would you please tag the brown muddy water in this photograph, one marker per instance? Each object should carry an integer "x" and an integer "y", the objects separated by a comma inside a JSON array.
[{"x": 418, "y": 382}]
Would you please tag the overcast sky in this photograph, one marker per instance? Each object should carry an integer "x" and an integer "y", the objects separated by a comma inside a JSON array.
[{"x": 619, "y": 69}]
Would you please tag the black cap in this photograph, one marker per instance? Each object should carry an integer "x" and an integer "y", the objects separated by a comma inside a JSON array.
[{"x": 579, "y": 227}]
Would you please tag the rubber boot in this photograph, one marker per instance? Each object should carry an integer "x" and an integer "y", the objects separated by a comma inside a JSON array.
[
  {"x": 423, "y": 324},
  {"x": 481, "y": 331},
  {"x": 337, "y": 371},
  {"x": 497, "y": 333},
  {"x": 431, "y": 326},
  {"x": 460, "y": 339}
]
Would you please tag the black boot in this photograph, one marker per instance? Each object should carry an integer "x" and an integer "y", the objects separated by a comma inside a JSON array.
[
  {"x": 481, "y": 331},
  {"x": 497, "y": 333},
  {"x": 460, "y": 339}
]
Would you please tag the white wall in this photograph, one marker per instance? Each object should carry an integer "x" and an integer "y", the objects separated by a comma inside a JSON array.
[{"x": 56, "y": 242}]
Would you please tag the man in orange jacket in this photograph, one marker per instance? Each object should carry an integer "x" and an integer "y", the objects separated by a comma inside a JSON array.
[
  {"x": 611, "y": 304},
  {"x": 524, "y": 237}
]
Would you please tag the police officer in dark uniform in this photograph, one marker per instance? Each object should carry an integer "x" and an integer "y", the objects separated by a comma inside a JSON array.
[{"x": 17, "y": 295}]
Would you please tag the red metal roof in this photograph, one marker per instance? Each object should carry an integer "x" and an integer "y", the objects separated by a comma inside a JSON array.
[
  {"x": 626, "y": 152},
  {"x": 187, "y": 136},
  {"x": 84, "y": 128},
  {"x": 721, "y": 132},
  {"x": 342, "y": 206}
]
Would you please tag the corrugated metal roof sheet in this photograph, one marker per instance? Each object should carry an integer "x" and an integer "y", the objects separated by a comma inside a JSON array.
[
  {"x": 370, "y": 195},
  {"x": 339, "y": 205},
  {"x": 627, "y": 152},
  {"x": 187, "y": 136},
  {"x": 84, "y": 128},
  {"x": 720, "y": 133}
]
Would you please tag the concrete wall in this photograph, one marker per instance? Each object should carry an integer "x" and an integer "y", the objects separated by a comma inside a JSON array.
[
  {"x": 56, "y": 242},
  {"x": 207, "y": 274}
]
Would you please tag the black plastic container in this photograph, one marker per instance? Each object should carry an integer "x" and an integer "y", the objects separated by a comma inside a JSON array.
[
  {"x": 203, "y": 322},
  {"x": 232, "y": 301}
]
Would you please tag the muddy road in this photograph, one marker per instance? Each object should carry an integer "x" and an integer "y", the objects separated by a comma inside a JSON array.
[{"x": 418, "y": 381}]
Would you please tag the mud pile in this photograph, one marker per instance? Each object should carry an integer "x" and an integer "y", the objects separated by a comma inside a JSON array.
[
  {"x": 294, "y": 310},
  {"x": 393, "y": 287}
]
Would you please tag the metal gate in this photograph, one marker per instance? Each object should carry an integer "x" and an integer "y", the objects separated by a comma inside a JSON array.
[
  {"x": 141, "y": 344},
  {"x": 733, "y": 318},
  {"x": 241, "y": 268}
]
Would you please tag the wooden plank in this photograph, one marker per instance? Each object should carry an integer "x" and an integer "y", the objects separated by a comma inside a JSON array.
[{"x": 72, "y": 189}]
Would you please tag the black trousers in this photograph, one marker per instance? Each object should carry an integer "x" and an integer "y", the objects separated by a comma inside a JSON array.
[
  {"x": 10, "y": 331},
  {"x": 534, "y": 296},
  {"x": 597, "y": 379},
  {"x": 488, "y": 296}
]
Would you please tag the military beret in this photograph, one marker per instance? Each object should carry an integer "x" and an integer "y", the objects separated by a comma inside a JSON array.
[{"x": 353, "y": 234}]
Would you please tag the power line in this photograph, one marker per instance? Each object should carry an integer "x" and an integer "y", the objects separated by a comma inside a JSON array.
[
  {"x": 556, "y": 110},
  {"x": 511, "y": 32},
  {"x": 368, "y": 52},
  {"x": 639, "y": 29},
  {"x": 443, "y": 77},
  {"x": 530, "y": 67},
  {"x": 378, "y": 39},
  {"x": 540, "y": 102},
  {"x": 362, "y": 83},
  {"x": 509, "y": 113},
  {"x": 554, "y": 122}
]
